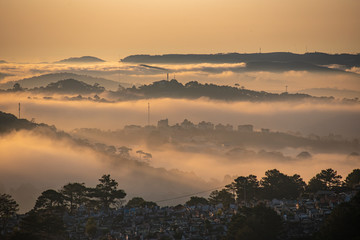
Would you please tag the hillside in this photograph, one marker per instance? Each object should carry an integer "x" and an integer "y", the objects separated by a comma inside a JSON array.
[
  {"x": 9, "y": 122},
  {"x": 46, "y": 79}
]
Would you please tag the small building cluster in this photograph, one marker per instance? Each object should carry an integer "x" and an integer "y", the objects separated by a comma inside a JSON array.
[{"x": 301, "y": 218}]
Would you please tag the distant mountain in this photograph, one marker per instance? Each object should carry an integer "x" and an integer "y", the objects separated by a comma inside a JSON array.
[
  {"x": 334, "y": 92},
  {"x": 3, "y": 61},
  {"x": 288, "y": 66},
  {"x": 70, "y": 86},
  {"x": 83, "y": 59},
  {"x": 348, "y": 60},
  {"x": 46, "y": 79}
]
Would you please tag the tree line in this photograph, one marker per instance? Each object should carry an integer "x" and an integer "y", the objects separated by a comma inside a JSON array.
[{"x": 276, "y": 184}]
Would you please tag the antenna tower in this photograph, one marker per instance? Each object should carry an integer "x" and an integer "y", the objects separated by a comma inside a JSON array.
[
  {"x": 148, "y": 114},
  {"x": 19, "y": 110}
]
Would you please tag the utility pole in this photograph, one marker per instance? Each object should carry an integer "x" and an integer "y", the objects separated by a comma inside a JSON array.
[
  {"x": 19, "y": 110},
  {"x": 244, "y": 192}
]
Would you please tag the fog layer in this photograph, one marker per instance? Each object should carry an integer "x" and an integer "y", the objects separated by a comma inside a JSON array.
[
  {"x": 33, "y": 161},
  {"x": 306, "y": 117},
  {"x": 223, "y": 74}
]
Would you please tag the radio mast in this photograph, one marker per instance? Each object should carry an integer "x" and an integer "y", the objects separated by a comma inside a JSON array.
[{"x": 148, "y": 114}]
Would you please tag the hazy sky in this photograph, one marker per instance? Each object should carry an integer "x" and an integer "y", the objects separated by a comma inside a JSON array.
[{"x": 43, "y": 30}]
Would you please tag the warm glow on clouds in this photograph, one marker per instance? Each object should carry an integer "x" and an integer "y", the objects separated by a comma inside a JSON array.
[
  {"x": 222, "y": 74},
  {"x": 41, "y": 30},
  {"x": 306, "y": 117}
]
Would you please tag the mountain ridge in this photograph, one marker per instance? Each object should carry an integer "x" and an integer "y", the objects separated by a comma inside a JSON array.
[{"x": 317, "y": 58}]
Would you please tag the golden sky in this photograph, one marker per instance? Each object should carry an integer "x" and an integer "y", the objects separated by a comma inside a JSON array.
[{"x": 48, "y": 30}]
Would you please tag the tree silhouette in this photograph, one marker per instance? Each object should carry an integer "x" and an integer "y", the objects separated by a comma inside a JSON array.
[
  {"x": 325, "y": 180},
  {"x": 106, "y": 191},
  {"x": 353, "y": 178},
  {"x": 124, "y": 151},
  {"x": 8, "y": 207},
  {"x": 49, "y": 200},
  {"x": 74, "y": 194},
  {"x": 139, "y": 202},
  {"x": 41, "y": 224},
  {"x": 258, "y": 223},
  {"x": 197, "y": 200},
  {"x": 224, "y": 196},
  {"x": 278, "y": 185},
  {"x": 315, "y": 184},
  {"x": 343, "y": 222},
  {"x": 246, "y": 187}
]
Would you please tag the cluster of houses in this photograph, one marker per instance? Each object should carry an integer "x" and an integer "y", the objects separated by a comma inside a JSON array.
[
  {"x": 301, "y": 218},
  {"x": 179, "y": 222}
]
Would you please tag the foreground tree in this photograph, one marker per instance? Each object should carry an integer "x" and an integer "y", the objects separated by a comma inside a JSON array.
[
  {"x": 278, "y": 185},
  {"x": 40, "y": 224},
  {"x": 140, "y": 202},
  {"x": 343, "y": 222},
  {"x": 258, "y": 223},
  {"x": 315, "y": 185},
  {"x": 330, "y": 178},
  {"x": 50, "y": 200},
  {"x": 325, "y": 180},
  {"x": 74, "y": 194},
  {"x": 246, "y": 187},
  {"x": 224, "y": 196},
  {"x": 8, "y": 207},
  {"x": 106, "y": 192},
  {"x": 197, "y": 200},
  {"x": 353, "y": 178}
]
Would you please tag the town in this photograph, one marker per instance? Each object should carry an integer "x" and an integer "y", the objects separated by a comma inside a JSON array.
[{"x": 295, "y": 210}]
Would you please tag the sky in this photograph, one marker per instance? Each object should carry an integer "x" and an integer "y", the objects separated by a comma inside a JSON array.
[{"x": 43, "y": 30}]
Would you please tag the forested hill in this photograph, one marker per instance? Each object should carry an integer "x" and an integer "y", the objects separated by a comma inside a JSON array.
[
  {"x": 9, "y": 122},
  {"x": 316, "y": 58},
  {"x": 70, "y": 86},
  {"x": 194, "y": 90},
  {"x": 45, "y": 79}
]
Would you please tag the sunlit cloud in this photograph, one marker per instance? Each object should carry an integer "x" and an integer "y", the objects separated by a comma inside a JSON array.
[
  {"x": 305, "y": 116},
  {"x": 223, "y": 74}
]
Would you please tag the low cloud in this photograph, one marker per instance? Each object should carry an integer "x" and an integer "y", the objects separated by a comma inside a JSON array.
[
  {"x": 321, "y": 118},
  {"x": 33, "y": 161},
  {"x": 223, "y": 74}
]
